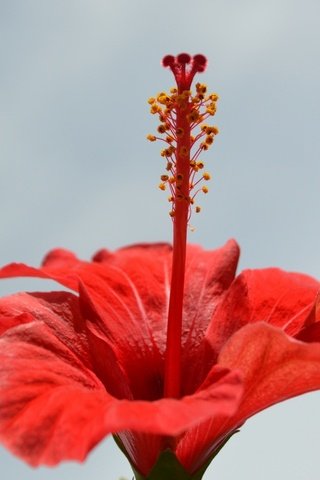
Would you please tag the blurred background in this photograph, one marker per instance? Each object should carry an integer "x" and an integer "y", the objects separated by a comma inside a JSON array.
[{"x": 76, "y": 170}]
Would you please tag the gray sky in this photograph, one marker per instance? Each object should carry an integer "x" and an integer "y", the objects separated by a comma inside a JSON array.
[{"x": 76, "y": 170}]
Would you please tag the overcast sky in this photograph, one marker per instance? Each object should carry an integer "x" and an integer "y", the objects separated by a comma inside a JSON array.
[{"x": 76, "y": 170}]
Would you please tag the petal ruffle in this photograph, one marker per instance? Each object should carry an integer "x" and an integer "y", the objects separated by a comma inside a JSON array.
[
  {"x": 171, "y": 417},
  {"x": 52, "y": 404},
  {"x": 209, "y": 274},
  {"x": 274, "y": 367},
  {"x": 46, "y": 380},
  {"x": 271, "y": 295},
  {"x": 130, "y": 289}
]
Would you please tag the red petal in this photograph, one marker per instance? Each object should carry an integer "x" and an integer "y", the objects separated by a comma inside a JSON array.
[
  {"x": 52, "y": 404},
  {"x": 132, "y": 344},
  {"x": 280, "y": 298},
  {"x": 130, "y": 309},
  {"x": 173, "y": 417},
  {"x": 130, "y": 288},
  {"x": 57, "y": 311},
  {"x": 274, "y": 366},
  {"x": 209, "y": 274},
  {"x": 46, "y": 383},
  {"x": 311, "y": 330}
]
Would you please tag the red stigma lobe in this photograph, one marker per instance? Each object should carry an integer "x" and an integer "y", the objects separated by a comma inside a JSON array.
[{"x": 184, "y": 67}]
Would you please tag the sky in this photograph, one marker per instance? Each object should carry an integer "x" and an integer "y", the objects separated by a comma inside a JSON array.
[{"x": 76, "y": 170}]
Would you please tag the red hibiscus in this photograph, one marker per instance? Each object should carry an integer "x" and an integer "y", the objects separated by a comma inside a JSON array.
[
  {"x": 160, "y": 346},
  {"x": 78, "y": 366}
]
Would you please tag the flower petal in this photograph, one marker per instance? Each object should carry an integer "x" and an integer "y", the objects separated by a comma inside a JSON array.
[
  {"x": 129, "y": 309},
  {"x": 311, "y": 329},
  {"x": 274, "y": 366},
  {"x": 170, "y": 417},
  {"x": 130, "y": 288},
  {"x": 58, "y": 265},
  {"x": 47, "y": 388},
  {"x": 209, "y": 274},
  {"x": 132, "y": 344},
  {"x": 280, "y": 298},
  {"x": 52, "y": 404}
]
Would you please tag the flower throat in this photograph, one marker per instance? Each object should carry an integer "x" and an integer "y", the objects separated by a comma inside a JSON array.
[{"x": 186, "y": 136}]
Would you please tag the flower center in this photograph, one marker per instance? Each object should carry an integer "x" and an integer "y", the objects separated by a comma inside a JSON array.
[{"x": 186, "y": 136}]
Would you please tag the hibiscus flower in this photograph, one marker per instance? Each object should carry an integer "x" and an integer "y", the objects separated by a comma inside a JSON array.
[
  {"x": 161, "y": 346},
  {"x": 78, "y": 366}
]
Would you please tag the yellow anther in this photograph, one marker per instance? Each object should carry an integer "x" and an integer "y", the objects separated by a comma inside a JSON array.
[
  {"x": 164, "y": 178},
  {"x": 172, "y": 180},
  {"x": 151, "y": 138},
  {"x": 205, "y": 189},
  {"x": 205, "y": 176},
  {"x": 200, "y": 165},
  {"x": 173, "y": 90},
  {"x": 204, "y": 128},
  {"x": 211, "y": 109},
  {"x": 214, "y": 97},
  {"x": 171, "y": 213},
  {"x": 209, "y": 140},
  {"x": 170, "y": 199},
  {"x": 201, "y": 87},
  {"x": 169, "y": 166},
  {"x": 193, "y": 116},
  {"x": 151, "y": 100},
  {"x": 197, "y": 209},
  {"x": 162, "y": 186},
  {"x": 204, "y": 146},
  {"x": 155, "y": 108},
  {"x": 194, "y": 166},
  {"x": 163, "y": 98},
  {"x": 212, "y": 130},
  {"x": 167, "y": 152},
  {"x": 162, "y": 128},
  {"x": 169, "y": 139},
  {"x": 183, "y": 151},
  {"x": 191, "y": 201}
]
